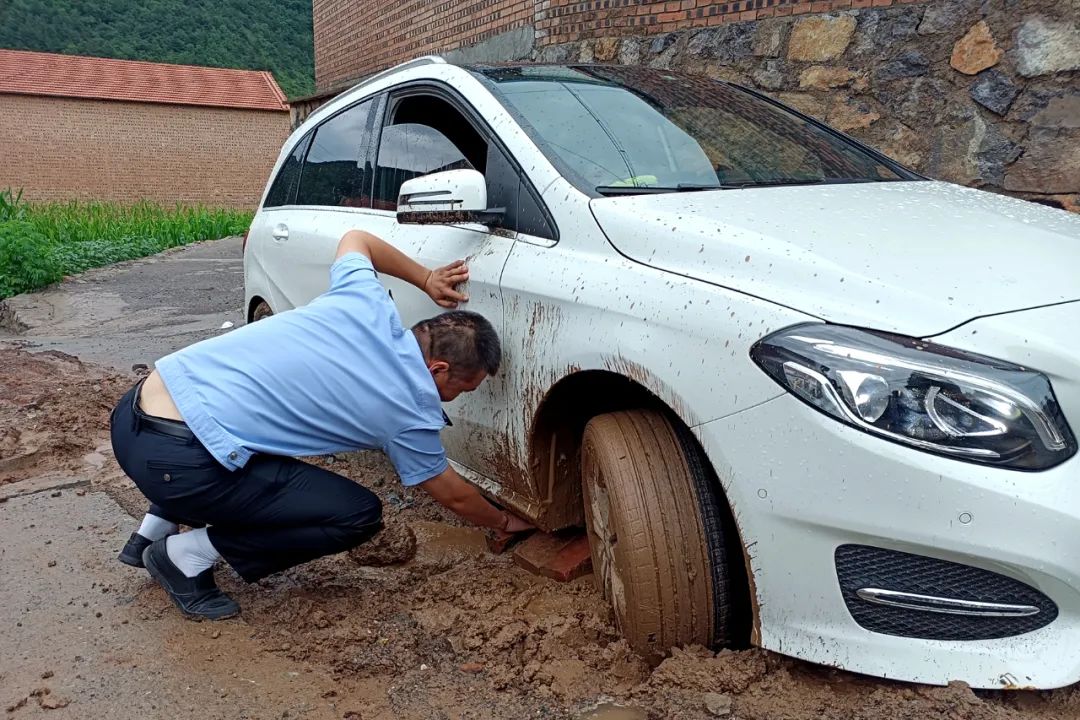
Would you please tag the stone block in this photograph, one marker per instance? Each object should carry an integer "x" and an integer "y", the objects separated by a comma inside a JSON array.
[
  {"x": 994, "y": 91},
  {"x": 947, "y": 16},
  {"x": 805, "y": 103},
  {"x": 769, "y": 36},
  {"x": 1045, "y": 46},
  {"x": 770, "y": 75},
  {"x": 820, "y": 77},
  {"x": 629, "y": 51},
  {"x": 851, "y": 114},
  {"x": 1060, "y": 112},
  {"x": 606, "y": 49},
  {"x": 1050, "y": 163},
  {"x": 976, "y": 51},
  {"x": 910, "y": 63},
  {"x": 819, "y": 38}
]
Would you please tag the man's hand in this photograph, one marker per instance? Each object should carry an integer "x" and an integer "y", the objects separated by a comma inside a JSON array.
[{"x": 441, "y": 282}]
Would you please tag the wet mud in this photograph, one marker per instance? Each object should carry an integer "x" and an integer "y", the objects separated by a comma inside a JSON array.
[{"x": 425, "y": 623}]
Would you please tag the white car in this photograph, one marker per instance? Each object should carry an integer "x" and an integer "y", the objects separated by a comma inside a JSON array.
[{"x": 800, "y": 396}]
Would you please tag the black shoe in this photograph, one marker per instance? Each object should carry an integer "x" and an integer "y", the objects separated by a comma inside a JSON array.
[
  {"x": 199, "y": 597},
  {"x": 132, "y": 552}
]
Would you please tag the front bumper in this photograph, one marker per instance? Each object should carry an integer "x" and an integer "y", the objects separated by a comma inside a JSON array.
[{"x": 802, "y": 484}]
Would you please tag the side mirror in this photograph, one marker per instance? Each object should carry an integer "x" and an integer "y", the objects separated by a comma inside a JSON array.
[{"x": 447, "y": 198}]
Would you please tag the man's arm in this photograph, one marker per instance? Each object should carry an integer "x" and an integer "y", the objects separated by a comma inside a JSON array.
[
  {"x": 438, "y": 284},
  {"x": 453, "y": 493}
]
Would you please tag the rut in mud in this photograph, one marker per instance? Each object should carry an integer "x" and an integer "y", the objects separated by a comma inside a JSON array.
[{"x": 425, "y": 623}]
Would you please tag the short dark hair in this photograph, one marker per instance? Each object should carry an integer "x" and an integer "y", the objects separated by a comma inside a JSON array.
[{"x": 462, "y": 338}]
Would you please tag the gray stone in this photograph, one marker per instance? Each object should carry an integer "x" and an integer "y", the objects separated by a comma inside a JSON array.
[
  {"x": 701, "y": 43},
  {"x": 717, "y": 704},
  {"x": 630, "y": 51},
  {"x": 770, "y": 75},
  {"x": 994, "y": 91},
  {"x": 1060, "y": 112},
  {"x": 948, "y": 16},
  {"x": 734, "y": 41},
  {"x": 910, "y": 63},
  {"x": 660, "y": 43},
  {"x": 866, "y": 32},
  {"x": 511, "y": 45},
  {"x": 554, "y": 54},
  {"x": 585, "y": 52},
  {"x": 995, "y": 152},
  {"x": 769, "y": 36},
  {"x": 899, "y": 24},
  {"x": 1050, "y": 163},
  {"x": 1045, "y": 46},
  {"x": 1034, "y": 99}
]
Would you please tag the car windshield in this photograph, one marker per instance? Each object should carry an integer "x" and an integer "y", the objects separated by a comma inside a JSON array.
[{"x": 628, "y": 130}]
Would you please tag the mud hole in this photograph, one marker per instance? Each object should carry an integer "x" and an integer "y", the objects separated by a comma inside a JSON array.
[{"x": 426, "y": 624}]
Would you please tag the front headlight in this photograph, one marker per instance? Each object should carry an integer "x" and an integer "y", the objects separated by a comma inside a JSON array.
[{"x": 917, "y": 393}]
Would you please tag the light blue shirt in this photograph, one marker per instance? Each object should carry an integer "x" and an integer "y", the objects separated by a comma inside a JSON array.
[{"x": 336, "y": 375}]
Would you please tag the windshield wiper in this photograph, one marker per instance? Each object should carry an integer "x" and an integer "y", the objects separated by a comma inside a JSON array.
[{"x": 652, "y": 189}]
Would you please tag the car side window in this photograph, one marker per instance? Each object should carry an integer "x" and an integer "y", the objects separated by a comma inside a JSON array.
[
  {"x": 337, "y": 170},
  {"x": 409, "y": 150},
  {"x": 283, "y": 190}
]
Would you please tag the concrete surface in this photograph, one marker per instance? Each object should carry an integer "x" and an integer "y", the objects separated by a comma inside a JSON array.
[
  {"x": 134, "y": 312},
  {"x": 105, "y": 642}
]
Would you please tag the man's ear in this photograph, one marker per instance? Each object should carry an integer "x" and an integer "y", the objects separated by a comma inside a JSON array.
[{"x": 438, "y": 367}]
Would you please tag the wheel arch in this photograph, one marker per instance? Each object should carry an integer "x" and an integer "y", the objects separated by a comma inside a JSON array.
[
  {"x": 555, "y": 440},
  {"x": 252, "y": 304}
]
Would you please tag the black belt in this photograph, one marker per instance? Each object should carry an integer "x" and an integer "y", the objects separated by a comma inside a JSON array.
[{"x": 174, "y": 428}]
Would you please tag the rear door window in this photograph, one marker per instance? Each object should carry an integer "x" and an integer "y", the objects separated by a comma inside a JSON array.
[
  {"x": 337, "y": 170},
  {"x": 283, "y": 191}
]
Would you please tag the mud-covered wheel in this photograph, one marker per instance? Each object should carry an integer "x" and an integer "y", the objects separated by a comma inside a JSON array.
[
  {"x": 261, "y": 311},
  {"x": 657, "y": 534}
]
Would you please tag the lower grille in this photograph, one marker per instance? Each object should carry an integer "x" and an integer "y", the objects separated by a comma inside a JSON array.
[{"x": 955, "y": 602}]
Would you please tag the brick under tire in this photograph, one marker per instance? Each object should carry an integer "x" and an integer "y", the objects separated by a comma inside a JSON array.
[
  {"x": 657, "y": 534},
  {"x": 261, "y": 311}
]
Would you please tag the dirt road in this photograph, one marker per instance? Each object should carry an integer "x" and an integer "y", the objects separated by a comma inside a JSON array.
[{"x": 453, "y": 633}]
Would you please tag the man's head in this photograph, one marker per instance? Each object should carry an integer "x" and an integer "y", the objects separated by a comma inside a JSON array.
[{"x": 461, "y": 348}]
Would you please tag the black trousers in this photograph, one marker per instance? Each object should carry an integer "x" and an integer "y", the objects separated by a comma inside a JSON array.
[{"x": 274, "y": 513}]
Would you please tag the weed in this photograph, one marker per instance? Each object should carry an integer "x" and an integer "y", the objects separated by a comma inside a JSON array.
[{"x": 40, "y": 243}]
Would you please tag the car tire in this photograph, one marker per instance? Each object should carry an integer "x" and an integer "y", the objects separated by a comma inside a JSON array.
[
  {"x": 261, "y": 311},
  {"x": 657, "y": 534}
]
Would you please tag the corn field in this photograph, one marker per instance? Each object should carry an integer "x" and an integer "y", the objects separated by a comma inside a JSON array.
[{"x": 41, "y": 243}]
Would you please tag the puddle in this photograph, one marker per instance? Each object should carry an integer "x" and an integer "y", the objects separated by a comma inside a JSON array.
[{"x": 614, "y": 712}]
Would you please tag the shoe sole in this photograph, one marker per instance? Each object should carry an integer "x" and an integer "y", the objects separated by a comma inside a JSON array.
[
  {"x": 130, "y": 560},
  {"x": 160, "y": 578}
]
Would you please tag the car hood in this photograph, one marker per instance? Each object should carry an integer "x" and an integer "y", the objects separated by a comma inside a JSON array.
[{"x": 916, "y": 258}]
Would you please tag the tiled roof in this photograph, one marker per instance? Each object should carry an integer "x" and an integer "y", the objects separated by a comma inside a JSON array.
[{"x": 75, "y": 76}]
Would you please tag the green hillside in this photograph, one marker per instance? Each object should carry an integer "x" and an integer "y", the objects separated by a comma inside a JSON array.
[{"x": 270, "y": 35}]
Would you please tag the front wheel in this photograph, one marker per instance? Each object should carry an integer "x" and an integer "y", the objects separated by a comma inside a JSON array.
[{"x": 660, "y": 548}]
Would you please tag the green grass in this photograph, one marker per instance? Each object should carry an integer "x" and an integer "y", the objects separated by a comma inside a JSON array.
[{"x": 41, "y": 243}]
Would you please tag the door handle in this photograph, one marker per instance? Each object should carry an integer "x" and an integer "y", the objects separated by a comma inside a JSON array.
[{"x": 280, "y": 232}]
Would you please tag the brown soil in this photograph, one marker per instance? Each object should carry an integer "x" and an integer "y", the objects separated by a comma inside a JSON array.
[{"x": 425, "y": 623}]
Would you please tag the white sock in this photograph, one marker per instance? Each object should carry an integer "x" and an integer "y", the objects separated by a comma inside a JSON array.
[
  {"x": 192, "y": 552},
  {"x": 155, "y": 528}
]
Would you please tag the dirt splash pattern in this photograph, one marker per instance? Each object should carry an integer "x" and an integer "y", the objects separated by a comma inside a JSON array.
[
  {"x": 427, "y": 624},
  {"x": 54, "y": 411}
]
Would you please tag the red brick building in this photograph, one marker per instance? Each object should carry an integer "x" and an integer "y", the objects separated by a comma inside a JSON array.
[
  {"x": 93, "y": 128},
  {"x": 980, "y": 92}
]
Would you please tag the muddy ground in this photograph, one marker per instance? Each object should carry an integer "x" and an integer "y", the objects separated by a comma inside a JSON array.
[{"x": 453, "y": 633}]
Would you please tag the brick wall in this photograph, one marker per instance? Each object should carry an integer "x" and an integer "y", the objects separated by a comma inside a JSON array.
[
  {"x": 61, "y": 149},
  {"x": 984, "y": 93},
  {"x": 354, "y": 38}
]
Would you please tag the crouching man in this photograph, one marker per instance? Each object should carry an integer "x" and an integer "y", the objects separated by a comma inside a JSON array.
[{"x": 211, "y": 436}]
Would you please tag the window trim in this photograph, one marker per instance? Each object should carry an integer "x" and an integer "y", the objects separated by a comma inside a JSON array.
[
  {"x": 448, "y": 93},
  {"x": 306, "y": 138}
]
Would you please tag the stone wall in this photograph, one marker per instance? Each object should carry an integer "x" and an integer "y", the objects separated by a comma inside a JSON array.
[{"x": 980, "y": 92}]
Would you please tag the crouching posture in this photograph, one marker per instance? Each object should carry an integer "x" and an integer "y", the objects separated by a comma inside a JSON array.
[{"x": 211, "y": 437}]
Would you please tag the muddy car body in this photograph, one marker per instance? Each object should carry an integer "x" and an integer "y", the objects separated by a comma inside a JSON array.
[{"x": 799, "y": 395}]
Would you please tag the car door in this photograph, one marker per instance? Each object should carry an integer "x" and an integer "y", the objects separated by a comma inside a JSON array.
[{"x": 412, "y": 142}]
